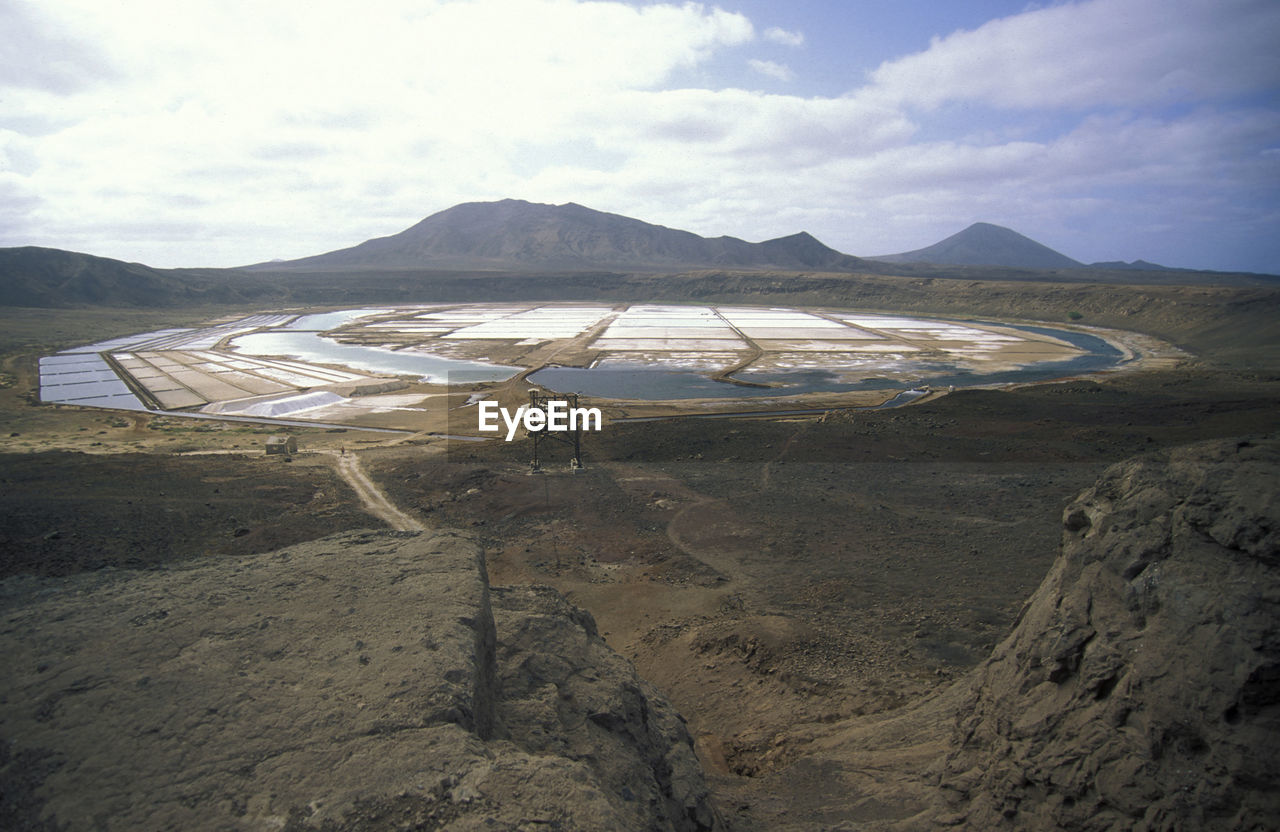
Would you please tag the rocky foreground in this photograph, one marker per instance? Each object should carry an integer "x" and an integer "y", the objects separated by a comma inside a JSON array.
[
  {"x": 376, "y": 681},
  {"x": 1140, "y": 688},
  {"x": 370, "y": 680}
]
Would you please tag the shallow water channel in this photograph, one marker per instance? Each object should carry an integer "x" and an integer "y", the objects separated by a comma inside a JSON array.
[{"x": 312, "y": 347}]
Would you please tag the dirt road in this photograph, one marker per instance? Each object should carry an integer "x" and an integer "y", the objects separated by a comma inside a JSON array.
[
  {"x": 374, "y": 500},
  {"x": 348, "y": 466}
]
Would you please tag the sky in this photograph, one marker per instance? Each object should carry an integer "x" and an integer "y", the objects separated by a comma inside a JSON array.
[{"x": 229, "y": 132}]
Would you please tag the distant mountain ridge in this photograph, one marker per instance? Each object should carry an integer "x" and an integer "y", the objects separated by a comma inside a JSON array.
[
  {"x": 985, "y": 244},
  {"x": 544, "y": 251},
  {"x": 515, "y": 234},
  {"x": 1136, "y": 265},
  {"x": 37, "y": 277}
]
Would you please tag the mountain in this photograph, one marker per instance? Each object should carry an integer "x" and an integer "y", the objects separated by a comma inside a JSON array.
[
  {"x": 1135, "y": 266},
  {"x": 984, "y": 244},
  {"x": 36, "y": 277},
  {"x": 514, "y": 234}
]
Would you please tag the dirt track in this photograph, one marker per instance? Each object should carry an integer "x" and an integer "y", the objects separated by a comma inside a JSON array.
[{"x": 374, "y": 500}]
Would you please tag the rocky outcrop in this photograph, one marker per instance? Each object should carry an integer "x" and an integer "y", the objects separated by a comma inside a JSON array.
[
  {"x": 369, "y": 680},
  {"x": 1140, "y": 688},
  {"x": 566, "y": 694}
]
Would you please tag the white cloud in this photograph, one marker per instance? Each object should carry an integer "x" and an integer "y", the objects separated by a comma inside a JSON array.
[
  {"x": 1102, "y": 52},
  {"x": 255, "y": 106},
  {"x": 753, "y": 129},
  {"x": 282, "y": 129},
  {"x": 772, "y": 69},
  {"x": 784, "y": 37},
  {"x": 38, "y": 56}
]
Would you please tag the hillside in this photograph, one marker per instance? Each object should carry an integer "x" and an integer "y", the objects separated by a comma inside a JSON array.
[
  {"x": 514, "y": 234},
  {"x": 31, "y": 276},
  {"x": 984, "y": 244},
  {"x": 1139, "y": 688},
  {"x": 1136, "y": 689}
]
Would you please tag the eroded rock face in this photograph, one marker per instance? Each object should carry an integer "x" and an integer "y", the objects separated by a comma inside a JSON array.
[
  {"x": 1140, "y": 688},
  {"x": 368, "y": 680},
  {"x": 565, "y": 693}
]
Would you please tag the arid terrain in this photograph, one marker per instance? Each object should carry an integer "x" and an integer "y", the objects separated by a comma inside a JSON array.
[{"x": 777, "y": 580}]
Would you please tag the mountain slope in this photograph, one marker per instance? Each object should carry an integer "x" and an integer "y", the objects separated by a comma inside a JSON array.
[
  {"x": 984, "y": 244},
  {"x": 514, "y": 234},
  {"x": 36, "y": 277}
]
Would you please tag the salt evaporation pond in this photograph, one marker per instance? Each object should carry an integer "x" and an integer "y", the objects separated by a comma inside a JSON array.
[
  {"x": 634, "y": 352},
  {"x": 310, "y": 346},
  {"x": 325, "y": 321},
  {"x": 656, "y": 384}
]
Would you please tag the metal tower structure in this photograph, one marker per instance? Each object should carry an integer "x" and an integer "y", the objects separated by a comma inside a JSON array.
[{"x": 540, "y": 401}]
